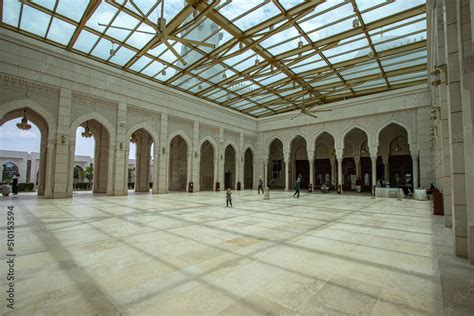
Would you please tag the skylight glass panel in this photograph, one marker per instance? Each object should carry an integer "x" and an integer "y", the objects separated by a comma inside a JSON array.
[
  {"x": 408, "y": 77},
  {"x": 238, "y": 7},
  {"x": 103, "y": 14},
  {"x": 288, "y": 4},
  {"x": 368, "y": 72},
  {"x": 399, "y": 58},
  {"x": 140, "y": 63},
  {"x": 259, "y": 111},
  {"x": 144, "y": 6},
  {"x": 85, "y": 41},
  {"x": 257, "y": 16},
  {"x": 11, "y": 12},
  {"x": 73, "y": 9},
  {"x": 364, "y": 5},
  {"x": 311, "y": 66},
  {"x": 370, "y": 85},
  {"x": 122, "y": 56},
  {"x": 48, "y": 4},
  {"x": 167, "y": 74},
  {"x": 152, "y": 69},
  {"x": 200, "y": 87},
  {"x": 122, "y": 20},
  {"x": 321, "y": 26},
  {"x": 289, "y": 45},
  {"x": 409, "y": 63},
  {"x": 102, "y": 49},
  {"x": 390, "y": 9},
  {"x": 138, "y": 39},
  {"x": 218, "y": 94},
  {"x": 60, "y": 31},
  {"x": 272, "y": 79},
  {"x": 237, "y": 59},
  {"x": 34, "y": 21}
]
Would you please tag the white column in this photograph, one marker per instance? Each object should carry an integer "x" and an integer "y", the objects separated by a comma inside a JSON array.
[
  {"x": 110, "y": 171},
  {"x": 339, "y": 158},
  {"x": 265, "y": 172},
  {"x": 332, "y": 160},
  {"x": 386, "y": 173},
  {"x": 189, "y": 173},
  {"x": 155, "y": 175},
  {"x": 196, "y": 157},
  {"x": 163, "y": 157},
  {"x": 415, "y": 171},
  {"x": 221, "y": 149},
  {"x": 216, "y": 168},
  {"x": 240, "y": 158},
  {"x": 373, "y": 160},
  {"x": 125, "y": 167},
  {"x": 311, "y": 170},
  {"x": 286, "y": 157},
  {"x": 72, "y": 159},
  {"x": 121, "y": 153},
  {"x": 254, "y": 184},
  {"x": 357, "y": 165},
  {"x": 49, "y": 172},
  {"x": 62, "y": 168}
]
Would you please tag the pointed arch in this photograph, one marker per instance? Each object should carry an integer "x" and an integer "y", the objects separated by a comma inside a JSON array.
[
  {"x": 92, "y": 116},
  {"x": 393, "y": 121},
  {"x": 147, "y": 127},
  {"x": 356, "y": 126}
]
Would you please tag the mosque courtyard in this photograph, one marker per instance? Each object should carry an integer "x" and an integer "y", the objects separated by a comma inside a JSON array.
[{"x": 186, "y": 253}]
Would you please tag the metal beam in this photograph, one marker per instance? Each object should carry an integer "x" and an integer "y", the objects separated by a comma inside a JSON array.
[{"x": 91, "y": 7}]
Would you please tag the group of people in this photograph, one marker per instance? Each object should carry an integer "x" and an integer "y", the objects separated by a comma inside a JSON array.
[{"x": 228, "y": 194}]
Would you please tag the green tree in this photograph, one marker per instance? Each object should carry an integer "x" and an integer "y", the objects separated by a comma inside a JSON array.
[{"x": 89, "y": 173}]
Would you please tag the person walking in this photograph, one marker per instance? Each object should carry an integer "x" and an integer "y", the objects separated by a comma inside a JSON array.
[
  {"x": 297, "y": 187},
  {"x": 358, "y": 185},
  {"x": 228, "y": 198},
  {"x": 15, "y": 184},
  {"x": 260, "y": 184}
]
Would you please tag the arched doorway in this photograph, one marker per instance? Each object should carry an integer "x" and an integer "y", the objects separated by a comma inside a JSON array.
[
  {"x": 93, "y": 140},
  {"x": 325, "y": 160},
  {"x": 9, "y": 170},
  {"x": 178, "y": 164},
  {"x": 141, "y": 152},
  {"x": 78, "y": 174},
  {"x": 248, "y": 169},
  {"x": 299, "y": 164},
  {"x": 276, "y": 166},
  {"x": 397, "y": 163},
  {"x": 355, "y": 147},
  {"x": 33, "y": 131},
  {"x": 229, "y": 167},
  {"x": 206, "y": 167}
]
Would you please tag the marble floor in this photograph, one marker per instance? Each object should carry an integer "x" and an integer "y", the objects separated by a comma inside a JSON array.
[{"x": 188, "y": 254}]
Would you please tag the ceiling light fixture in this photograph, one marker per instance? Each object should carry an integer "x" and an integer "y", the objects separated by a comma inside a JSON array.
[
  {"x": 356, "y": 23},
  {"x": 113, "y": 50},
  {"x": 133, "y": 138},
  {"x": 86, "y": 133},
  {"x": 23, "y": 125}
]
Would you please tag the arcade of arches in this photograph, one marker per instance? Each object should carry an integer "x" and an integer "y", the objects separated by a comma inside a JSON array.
[{"x": 390, "y": 163}]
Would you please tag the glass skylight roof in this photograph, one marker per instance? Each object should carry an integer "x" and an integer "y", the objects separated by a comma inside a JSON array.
[{"x": 257, "y": 57}]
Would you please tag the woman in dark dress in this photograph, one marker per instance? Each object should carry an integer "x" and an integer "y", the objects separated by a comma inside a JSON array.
[{"x": 15, "y": 184}]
